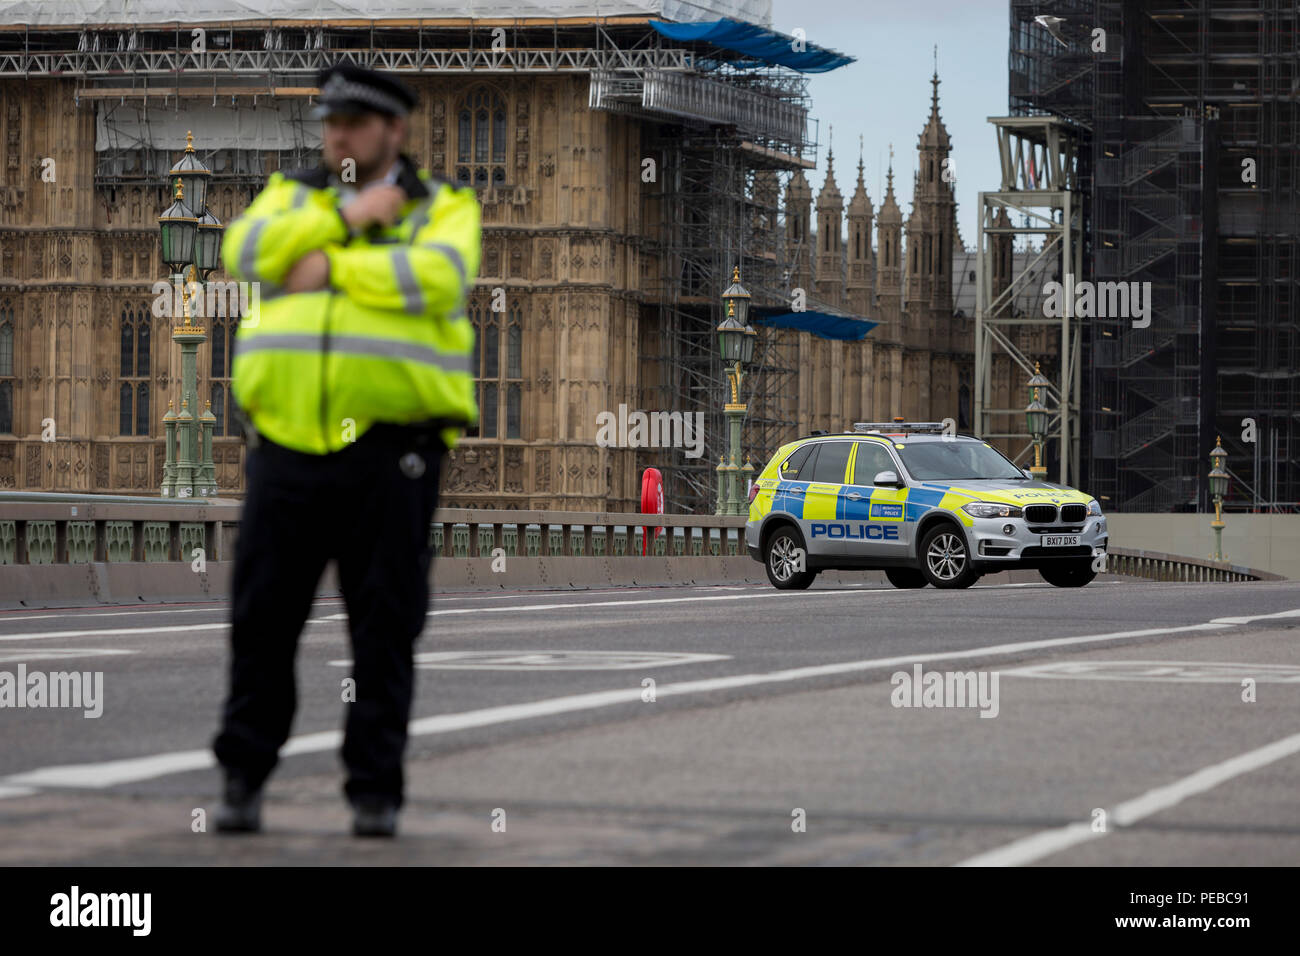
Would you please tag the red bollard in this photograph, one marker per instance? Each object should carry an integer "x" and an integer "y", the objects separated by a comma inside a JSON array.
[{"x": 652, "y": 502}]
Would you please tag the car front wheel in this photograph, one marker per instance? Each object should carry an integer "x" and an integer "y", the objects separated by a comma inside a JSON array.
[
  {"x": 786, "y": 560},
  {"x": 1068, "y": 574},
  {"x": 945, "y": 558}
]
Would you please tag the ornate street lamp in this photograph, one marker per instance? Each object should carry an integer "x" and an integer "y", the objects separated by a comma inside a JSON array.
[
  {"x": 191, "y": 250},
  {"x": 1219, "y": 481},
  {"x": 179, "y": 226},
  {"x": 207, "y": 246},
  {"x": 736, "y": 339},
  {"x": 194, "y": 176},
  {"x": 1036, "y": 421}
]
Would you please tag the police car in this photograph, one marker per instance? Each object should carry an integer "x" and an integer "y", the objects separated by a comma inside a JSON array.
[{"x": 923, "y": 506}]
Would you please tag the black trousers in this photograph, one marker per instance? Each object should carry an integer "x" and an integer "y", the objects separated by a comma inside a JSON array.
[{"x": 358, "y": 507}]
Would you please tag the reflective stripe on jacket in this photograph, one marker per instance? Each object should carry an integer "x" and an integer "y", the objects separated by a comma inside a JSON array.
[{"x": 388, "y": 341}]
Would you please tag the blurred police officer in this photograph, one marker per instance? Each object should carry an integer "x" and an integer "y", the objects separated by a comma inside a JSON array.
[{"x": 354, "y": 380}]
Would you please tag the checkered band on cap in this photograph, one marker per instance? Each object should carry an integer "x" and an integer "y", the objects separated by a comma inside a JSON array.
[{"x": 338, "y": 90}]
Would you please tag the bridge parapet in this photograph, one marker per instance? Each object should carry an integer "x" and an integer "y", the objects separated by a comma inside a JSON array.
[{"x": 64, "y": 548}]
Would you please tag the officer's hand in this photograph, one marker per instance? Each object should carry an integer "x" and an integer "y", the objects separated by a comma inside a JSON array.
[
  {"x": 309, "y": 274},
  {"x": 378, "y": 204}
]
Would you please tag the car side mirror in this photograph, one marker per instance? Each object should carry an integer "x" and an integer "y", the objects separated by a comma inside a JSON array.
[
  {"x": 1027, "y": 473},
  {"x": 888, "y": 478}
]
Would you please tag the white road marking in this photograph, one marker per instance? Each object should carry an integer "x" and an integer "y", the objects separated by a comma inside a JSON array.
[
  {"x": 214, "y": 608},
  {"x": 52, "y": 653},
  {"x": 127, "y": 631},
  {"x": 553, "y": 660},
  {"x": 1256, "y": 617},
  {"x": 16, "y": 791},
  {"x": 133, "y": 769},
  {"x": 1032, "y": 848},
  {"x": 115, "y": 632},
  {"x": 553, "y": 607},
  {"x": 1176, "y": 672}
]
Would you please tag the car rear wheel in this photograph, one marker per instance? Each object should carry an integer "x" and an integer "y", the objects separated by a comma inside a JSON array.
[
  {"x": 945, "y": 558},
  {"x": 1068, "y": 574},
  {"x": 786, "y": 560},
  {"x": 905, "y": 578}
]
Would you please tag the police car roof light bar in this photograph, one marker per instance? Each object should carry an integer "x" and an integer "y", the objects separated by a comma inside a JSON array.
[{"x": 893, "y": 428}]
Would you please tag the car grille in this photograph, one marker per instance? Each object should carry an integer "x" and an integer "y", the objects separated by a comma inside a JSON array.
[
  {"x": 1073, "y": 512},
  {"x": 1040, "y": 514},
  {"x": 1055, "y": 529}
]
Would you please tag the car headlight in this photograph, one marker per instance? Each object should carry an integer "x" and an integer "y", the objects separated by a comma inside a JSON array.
[
  {"x": 991, "y": 509},
  {"x": 1094, "y": 508}
]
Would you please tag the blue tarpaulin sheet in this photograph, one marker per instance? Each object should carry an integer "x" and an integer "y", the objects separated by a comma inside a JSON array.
[
  {"x": 844, "y": 327},
  {"x": 761, "y": 45}
]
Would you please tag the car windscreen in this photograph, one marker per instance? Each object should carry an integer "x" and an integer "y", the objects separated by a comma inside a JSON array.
[{"x": 954, "y": 460}]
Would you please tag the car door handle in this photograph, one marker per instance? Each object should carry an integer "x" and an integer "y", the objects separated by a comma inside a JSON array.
[{"x": 853, "y": 496}]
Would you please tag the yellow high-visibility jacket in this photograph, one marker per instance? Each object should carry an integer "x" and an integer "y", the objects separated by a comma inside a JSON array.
[{"x": 388, "y": 341}]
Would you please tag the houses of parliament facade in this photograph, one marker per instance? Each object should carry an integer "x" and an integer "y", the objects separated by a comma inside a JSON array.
[{"x": 87, "y": 368}]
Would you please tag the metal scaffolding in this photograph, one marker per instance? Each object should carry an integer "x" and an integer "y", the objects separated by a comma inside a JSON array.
[
  {"x": 1192, "y": 120},
  {"x": 726, "y": 136},
  {"x": 1040, "y": 187},
  {"x": 718, "y": 206}
]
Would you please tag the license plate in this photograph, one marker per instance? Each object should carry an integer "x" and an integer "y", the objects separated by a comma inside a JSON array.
[{"x": 1060, "y": 540}]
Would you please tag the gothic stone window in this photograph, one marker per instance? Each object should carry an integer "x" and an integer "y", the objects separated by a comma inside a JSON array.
[
  {"x": 223, "y": 344},
  {"x": 498, "y": 367},
  {"x": 481, "y": 138},
  {"x": 133, "y": 371},
  {"x": 7, "y": 378}
]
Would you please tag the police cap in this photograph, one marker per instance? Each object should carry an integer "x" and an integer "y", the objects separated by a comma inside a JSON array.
[{"x": 348, "y": 88}]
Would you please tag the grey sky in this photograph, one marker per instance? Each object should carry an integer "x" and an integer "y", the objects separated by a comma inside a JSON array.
[{"x": 885, "y": 95}]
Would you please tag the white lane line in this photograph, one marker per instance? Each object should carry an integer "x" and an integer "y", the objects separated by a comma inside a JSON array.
[
  {"x": 1256, "y": 617},
  {"x": 647, "y": 601},
  {"x": 53, "y": 653},
  {"x": 16, "y": 791},
  {"x": 331, "y": 618},
  {"x": 131, "y": 770},
  {"x": 215, "y": 608},
  {"x": 1032, "y": 848},
  {"x": 115, "y": 632}
]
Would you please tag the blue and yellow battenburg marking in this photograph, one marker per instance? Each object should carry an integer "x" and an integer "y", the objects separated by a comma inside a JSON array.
[{"x": 813, "y": 501}]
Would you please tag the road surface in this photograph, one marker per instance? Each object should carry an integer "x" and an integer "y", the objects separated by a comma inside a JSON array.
[{"x": 1134, "y": 723}]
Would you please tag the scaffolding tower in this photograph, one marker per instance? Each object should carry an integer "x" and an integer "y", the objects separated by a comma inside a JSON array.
[
  {"x": 1192, "y": 119},
  {"x": 1039, "y": 161},
  {"x": 717, "y": 206}
]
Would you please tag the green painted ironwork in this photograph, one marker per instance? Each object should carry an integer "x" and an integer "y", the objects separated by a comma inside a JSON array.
[
  {"x": 41, "y": 540},
  {"x": 81, "y": 542},
  {"x": 119, "y": 540},
  {"x": 192, "y": 536},
  {"x": 157, "y": 540},
  {"x": 8, "y": 541}
]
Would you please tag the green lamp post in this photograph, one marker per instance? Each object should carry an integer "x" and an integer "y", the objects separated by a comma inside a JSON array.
[
  {"x": 1036, "y": 421},
  {"x": 191, "y": 250},
  {"x": 736, "y": 338},
  {"x": 1219, "y": 480}
]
